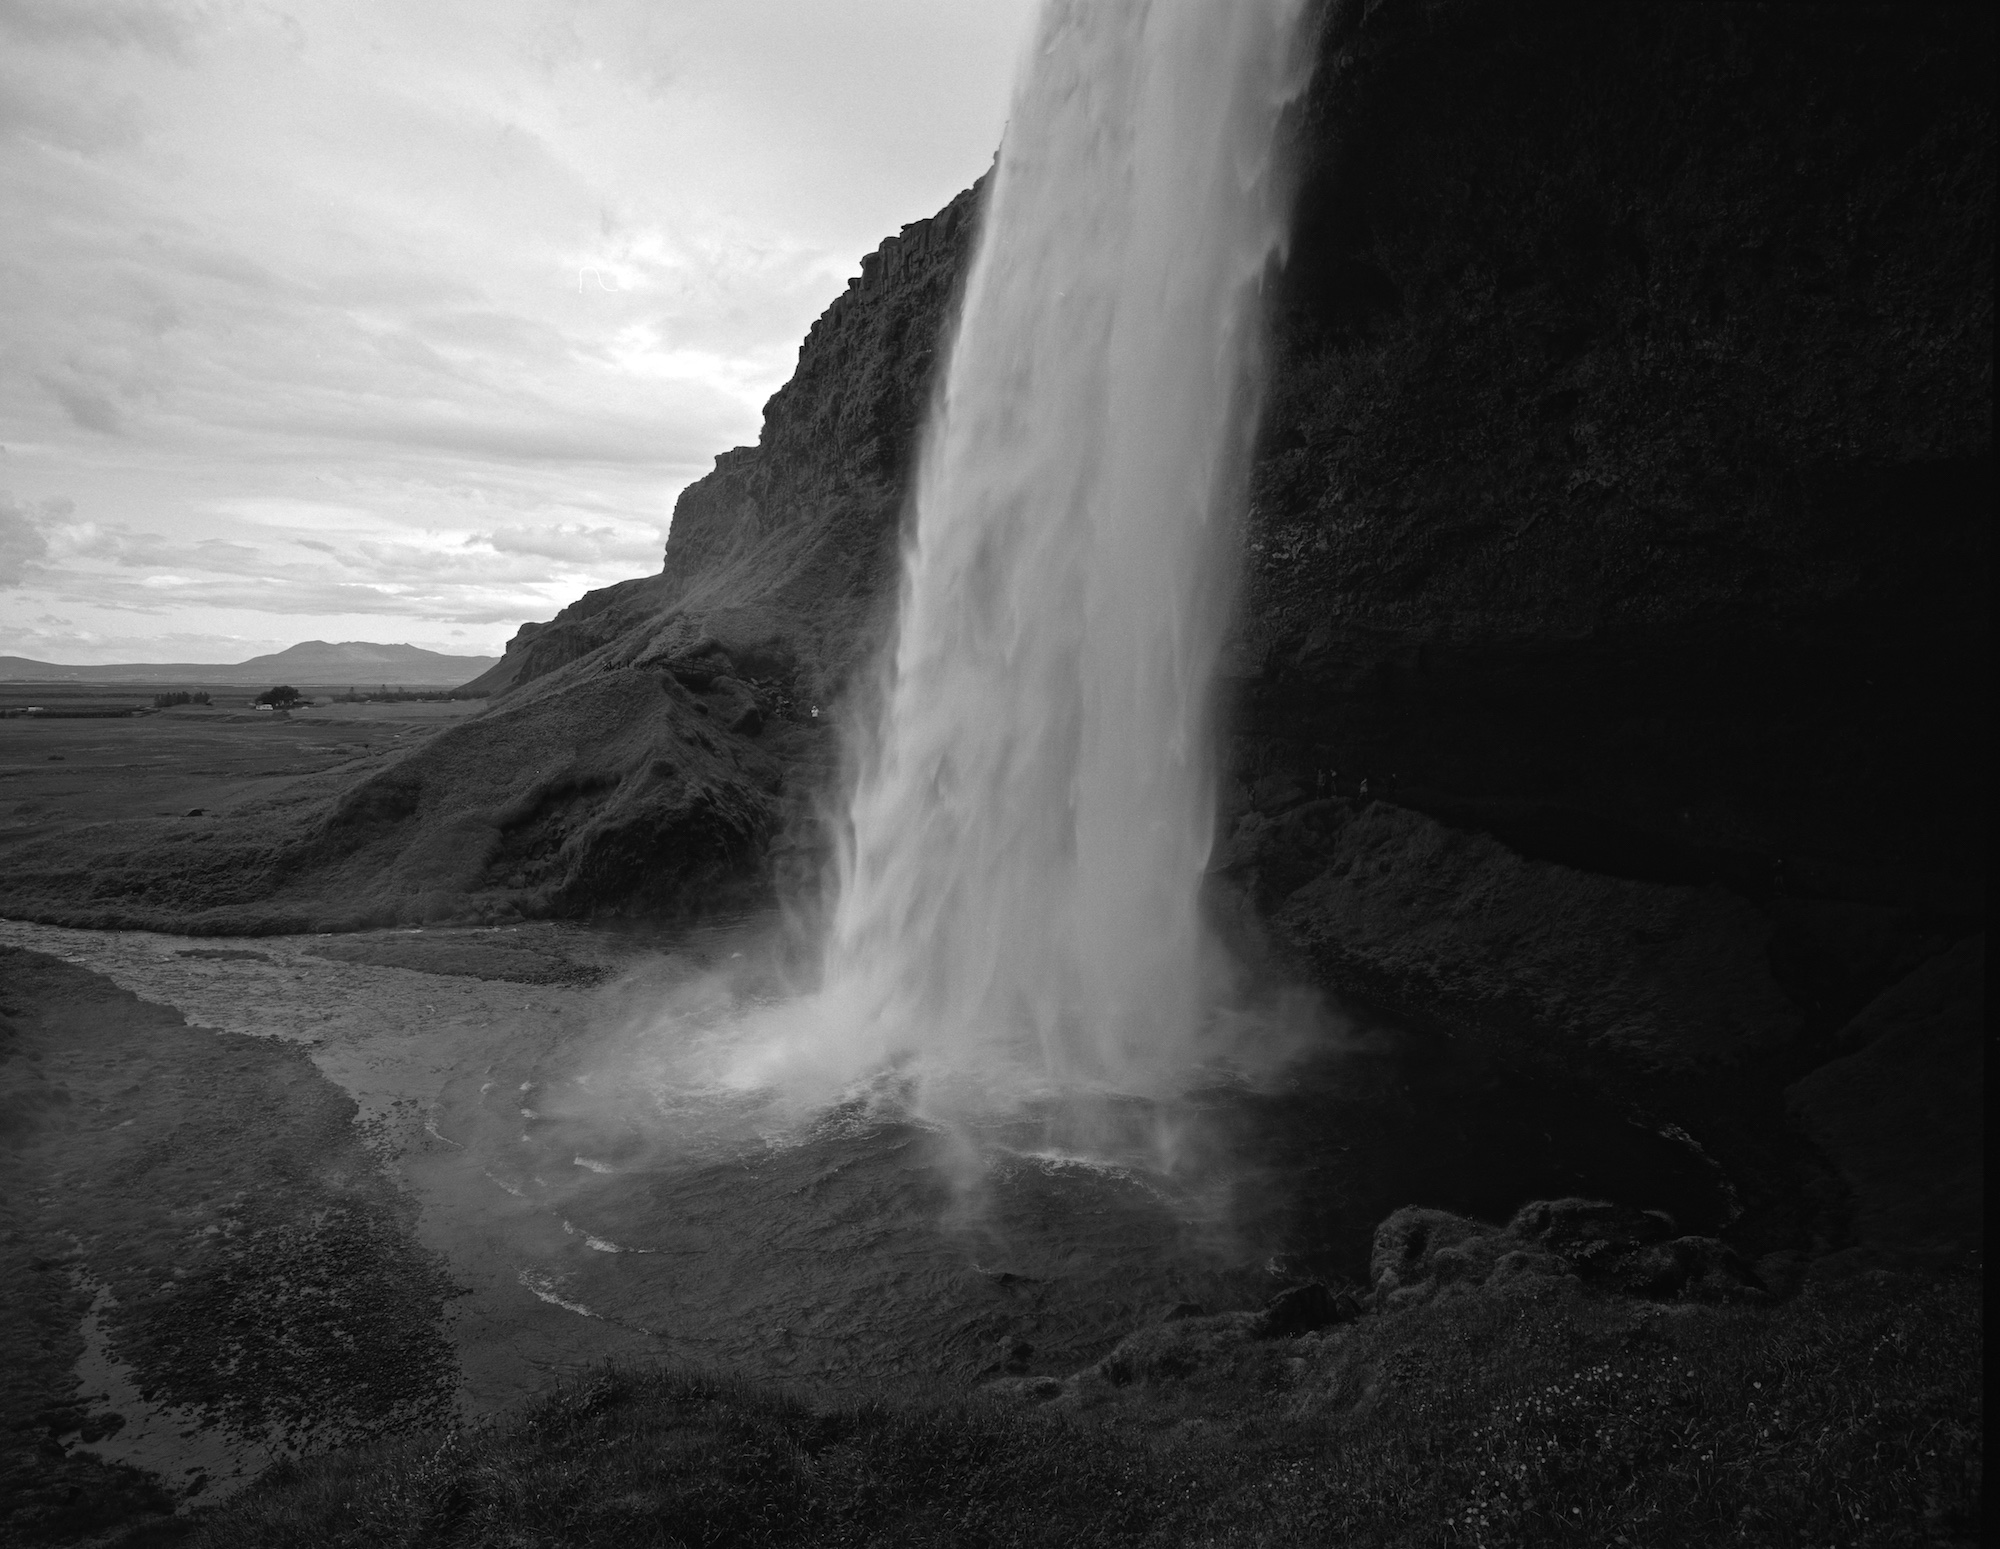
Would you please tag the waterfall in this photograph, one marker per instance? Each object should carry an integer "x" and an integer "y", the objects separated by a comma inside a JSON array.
[{"x": 1018, "y": 903}]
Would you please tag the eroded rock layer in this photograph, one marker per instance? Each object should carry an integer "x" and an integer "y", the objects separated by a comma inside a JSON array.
[
  {"x": 1612, "y": 663},
  {"x": 1629, "y": 461}
]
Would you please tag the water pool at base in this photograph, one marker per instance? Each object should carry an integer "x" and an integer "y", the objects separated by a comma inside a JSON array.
[{"x": 588, "y": 1206}]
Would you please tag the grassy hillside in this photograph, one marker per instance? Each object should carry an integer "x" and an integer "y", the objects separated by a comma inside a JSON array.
[{"x": 1533, "y": 1415}]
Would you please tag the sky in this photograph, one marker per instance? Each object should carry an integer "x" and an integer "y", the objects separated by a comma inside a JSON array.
[{"x": 406, "y": 320}]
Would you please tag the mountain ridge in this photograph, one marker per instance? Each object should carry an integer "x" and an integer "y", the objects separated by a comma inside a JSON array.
[{"x": 384, "y": 663}]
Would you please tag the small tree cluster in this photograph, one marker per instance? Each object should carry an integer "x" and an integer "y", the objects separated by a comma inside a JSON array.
[
  {"x": 282, "y": 697},
  {"x": 180, "y": 697}
]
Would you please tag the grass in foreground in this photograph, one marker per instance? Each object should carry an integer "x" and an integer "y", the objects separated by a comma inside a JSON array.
[{"x": 1535, "y": 1417}]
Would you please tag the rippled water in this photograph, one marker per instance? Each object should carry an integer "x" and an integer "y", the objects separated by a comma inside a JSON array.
[{"x": 845, "y": 1244}]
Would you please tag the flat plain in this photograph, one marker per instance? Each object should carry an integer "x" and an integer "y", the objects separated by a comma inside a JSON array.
[{"x": 79, "y": 764}]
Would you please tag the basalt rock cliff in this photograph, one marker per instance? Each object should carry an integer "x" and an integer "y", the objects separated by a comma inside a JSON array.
[
  {"x": 1622, "y": 522},
  {"x": 1628, "y": 467},
  {"x": 785, "y": 556},
  {"x": 1608, "y": 691}
]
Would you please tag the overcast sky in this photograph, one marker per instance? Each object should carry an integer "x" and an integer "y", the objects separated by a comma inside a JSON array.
[{"x": 407, "y": 319}]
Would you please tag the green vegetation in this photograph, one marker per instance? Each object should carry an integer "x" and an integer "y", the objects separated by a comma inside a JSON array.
[
  {"x": 400, "y": 696},
  {"x": 180, "y": 697},
  {"x": 72, "y": 712},
  {"x": 283, "y": 697},
  {"x": 266, "y": 1279},
  {"x": 1534, "y": 1416}
]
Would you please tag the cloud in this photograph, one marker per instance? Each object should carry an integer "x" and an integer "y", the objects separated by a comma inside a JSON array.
[
  {"x": 504, "y": 574},
  {"x": 297, "y": 300},
  {"x": 292, "y": 597},
  {"x": 157, "y": 28},
  {"x": 89, "y": 128},
  {"x": 86, "y": 405},
  {"x": 576, "y": 544},
  {"x": 22, "y": 542},
  {"x": 63, "y": 641},
  {"x": 509, "y": 440},
  {"x": 73, "y": 541},
  {"x": 500, "y": 332}
]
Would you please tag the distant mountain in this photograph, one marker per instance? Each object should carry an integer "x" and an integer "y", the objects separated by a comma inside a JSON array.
[
  {"x": 361, "y": 657},
  {"x": 317, "y": 662}
]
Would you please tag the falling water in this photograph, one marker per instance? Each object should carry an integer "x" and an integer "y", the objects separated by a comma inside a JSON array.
[{"x": 1034, "y": 811}]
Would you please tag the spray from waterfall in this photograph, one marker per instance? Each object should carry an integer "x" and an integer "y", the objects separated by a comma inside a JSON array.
[{"x": 1019, "y": 902}]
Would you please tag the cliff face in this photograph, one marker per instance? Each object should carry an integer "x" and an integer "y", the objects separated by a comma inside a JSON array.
[
  {"x": 1629, "y": 459},
  {"x": 1622, "y": 518},
  {"x": 538, "y": 649},
  {"x": 787, "y": 552},
  {"x": 657, "y": 748},
  {"x": 807, "y": 521}
]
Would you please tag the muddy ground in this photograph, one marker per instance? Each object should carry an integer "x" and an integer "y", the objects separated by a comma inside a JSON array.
[
  {"x": 203, "y": 1263},
  {"x": 217, "y": 1247}
]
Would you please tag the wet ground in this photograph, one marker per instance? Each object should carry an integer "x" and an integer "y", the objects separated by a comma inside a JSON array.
[{"x": 534, "y": 1096}]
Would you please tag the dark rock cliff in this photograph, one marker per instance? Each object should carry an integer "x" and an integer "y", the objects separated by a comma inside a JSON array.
[
  {"x": 807, "y": 521},
  {"x": 1622, "y": 519},
  {"x": 788, "y": 550},
  {"x": 1629, "y": 460}
]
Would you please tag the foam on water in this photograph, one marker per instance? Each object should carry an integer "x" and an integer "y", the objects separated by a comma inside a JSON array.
[
  {"x": 1018, "y": 913},
  {"x": 548, "y": 1288}
]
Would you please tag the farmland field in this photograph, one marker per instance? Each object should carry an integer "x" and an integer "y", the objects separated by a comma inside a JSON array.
[{"x": 76, "y": 764}]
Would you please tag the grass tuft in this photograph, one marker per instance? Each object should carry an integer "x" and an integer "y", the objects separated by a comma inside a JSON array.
[{"x": 1535, "y": 1415}]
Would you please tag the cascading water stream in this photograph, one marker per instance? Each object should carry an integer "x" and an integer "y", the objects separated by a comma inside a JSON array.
[{"x": 1019, "y": 909}]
